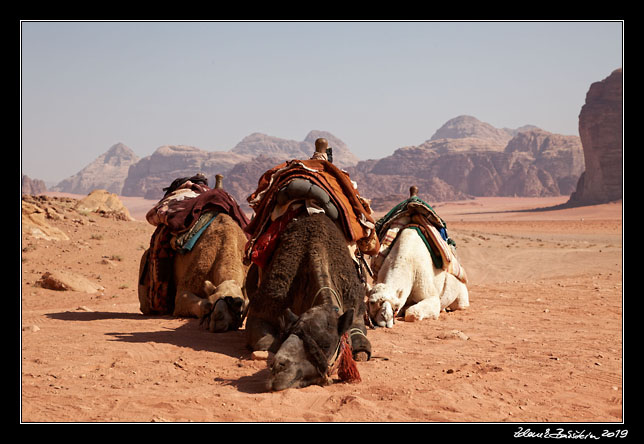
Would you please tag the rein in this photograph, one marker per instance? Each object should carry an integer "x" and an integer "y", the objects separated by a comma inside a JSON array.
[
  {"x": 341, "y": 360},
  {"x": 335, "y": 295}
]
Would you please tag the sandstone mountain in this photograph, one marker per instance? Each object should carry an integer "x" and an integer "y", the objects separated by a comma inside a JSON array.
[
  {"x": 107, "y": 172},
  {"x": 258, "y": 144},
  {"x": 151, "y": 174},
  {"x": 600, "y": 129},
  {"x": 463, "y": 127},
  {"x": 476, "y": 160},
  {"x": 32, "y": 186},
  {"x": 464, "y": 158}
]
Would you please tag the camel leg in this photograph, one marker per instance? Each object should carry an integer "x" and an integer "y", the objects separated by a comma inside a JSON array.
[
  {"x": 427, "y": 308},
  {"x": 260, "y": 335},
  {"x": 461, "y": 302},
  {"x": 460, "y": 298},
  {"x": 360, "y": 345},
  {"x": 190, "y": 305}
]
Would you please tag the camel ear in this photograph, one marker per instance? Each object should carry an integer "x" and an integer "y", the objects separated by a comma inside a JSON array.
[
  {"x": 209, "y": 288},
  {"x": 288, "y": 319},
  {"x": 345, "y": 321}
]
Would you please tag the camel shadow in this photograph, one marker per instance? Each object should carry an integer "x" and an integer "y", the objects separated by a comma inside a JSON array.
[
  {"x": 252, "y": 384},
  {"x": 563, "y": 206},
  {"x": 93, "y": 316},
  {"x": 188, "y": 335},
  {"x": 192, "y": 335}
]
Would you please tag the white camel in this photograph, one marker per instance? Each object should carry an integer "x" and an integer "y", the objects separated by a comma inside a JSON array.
[{"x": 409, "y": 282}]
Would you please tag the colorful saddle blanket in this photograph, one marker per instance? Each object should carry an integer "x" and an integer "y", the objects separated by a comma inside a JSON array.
[
  {"x": 414, "y": 213},
  {"x": 352, "y": 212}
]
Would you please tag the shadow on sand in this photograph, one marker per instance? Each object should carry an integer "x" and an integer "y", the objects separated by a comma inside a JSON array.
[
  {"x": 189, "y": 335},
  {"x": 564, "y": 206}
]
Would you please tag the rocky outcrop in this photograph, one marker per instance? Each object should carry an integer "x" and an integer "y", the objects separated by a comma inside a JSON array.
[
  {"x": 258, "y": 144},
  {"x": 107, "y": 172},
  {"x": 531, "y": 163},
  {"x": 462, "y": 127},
  {"x": 600, "y": 130},
  {"x": 61, "y": 280},
  {"x": 464, "y": 158},
  {"x": 105, "y": 204},
  {"x": 32, "y": 186},
  {"x": 243, "y": 179},
  {"x": 35, "y": 215},
  {"x": 557, "y": 160},
  {"x": 151, "y": 174}
]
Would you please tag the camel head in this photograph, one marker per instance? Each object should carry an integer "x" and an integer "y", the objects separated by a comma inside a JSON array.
[
  {"x": 380, "y": 307},
  {"x": 226, "y": 306},
  {"x": 311, "y": 346}
]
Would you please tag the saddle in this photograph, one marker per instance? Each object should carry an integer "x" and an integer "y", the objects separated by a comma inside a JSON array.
[
  {"x": 414, "y": 213},
  {"x": 313, "y": 185}
]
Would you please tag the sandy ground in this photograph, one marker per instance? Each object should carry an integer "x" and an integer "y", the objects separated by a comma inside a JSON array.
[{"x": 544, "y": 334}]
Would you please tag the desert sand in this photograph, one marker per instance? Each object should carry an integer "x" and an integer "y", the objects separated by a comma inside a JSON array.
[{"x": 542, "y": 341}]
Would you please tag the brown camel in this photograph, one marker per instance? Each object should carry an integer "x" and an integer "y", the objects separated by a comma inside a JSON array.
[
  {"x": 205, "y": 281},
  {"x": 310, "y": 299}
]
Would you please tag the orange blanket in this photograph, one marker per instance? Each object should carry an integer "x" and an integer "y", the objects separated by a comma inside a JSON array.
[{"x": 355, "y": 214}]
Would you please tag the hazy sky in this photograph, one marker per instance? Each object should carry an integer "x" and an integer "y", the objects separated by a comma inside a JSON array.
[{"x": 377, "y": 86}]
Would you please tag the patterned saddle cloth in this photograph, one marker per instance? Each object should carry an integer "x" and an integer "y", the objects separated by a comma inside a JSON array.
[{"x": 414, "y": 213}]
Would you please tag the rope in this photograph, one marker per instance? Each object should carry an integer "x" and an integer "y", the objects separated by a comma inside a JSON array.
[{"x": 335, "y": 294}]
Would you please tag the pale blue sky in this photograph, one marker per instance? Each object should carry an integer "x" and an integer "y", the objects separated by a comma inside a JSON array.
[{"x": 378, "y": 86}]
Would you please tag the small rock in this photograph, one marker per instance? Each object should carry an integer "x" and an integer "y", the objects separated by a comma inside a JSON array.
[
  {"x": 84, "y": 308},
  {"x": 157, "y": 418},
  {"x": 454, "y": 334},
  {"x": 33, "y": 328},
  {"x": 259, "y": 355},
  {"x": 64, "y": 281}
]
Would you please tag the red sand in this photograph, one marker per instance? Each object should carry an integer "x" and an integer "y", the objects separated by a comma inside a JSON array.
[{"x": 544, "y": 328}]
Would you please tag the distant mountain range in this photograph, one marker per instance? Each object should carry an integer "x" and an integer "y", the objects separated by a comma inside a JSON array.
[
  {"x": 464, "y": 158},
  {"x": 107, "y": 172},
  {"x": 467, "y": 158}
]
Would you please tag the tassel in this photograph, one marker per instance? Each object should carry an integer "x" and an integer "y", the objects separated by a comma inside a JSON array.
[{"x": 347, "y": 370}]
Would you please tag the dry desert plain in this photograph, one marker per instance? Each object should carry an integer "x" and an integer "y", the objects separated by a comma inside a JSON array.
[{"x": 543, "y": 339}]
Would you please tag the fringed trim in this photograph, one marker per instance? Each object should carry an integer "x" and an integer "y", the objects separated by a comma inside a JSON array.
[{"x": 346, "y": 365}]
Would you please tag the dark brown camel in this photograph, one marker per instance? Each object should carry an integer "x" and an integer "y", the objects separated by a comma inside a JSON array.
[{"x": 310, "y": 296}]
